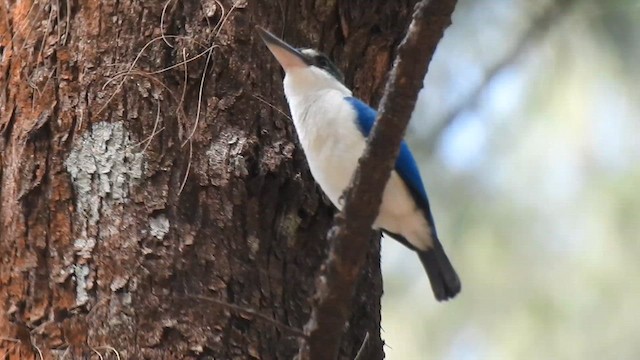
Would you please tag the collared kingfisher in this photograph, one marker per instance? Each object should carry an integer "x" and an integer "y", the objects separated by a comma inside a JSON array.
[{"x": 332, "y": 127}]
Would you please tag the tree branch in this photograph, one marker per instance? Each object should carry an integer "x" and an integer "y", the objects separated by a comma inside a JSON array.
[
  {"x": 539, "y": 27},
  {"x": 349, "y": 237}
]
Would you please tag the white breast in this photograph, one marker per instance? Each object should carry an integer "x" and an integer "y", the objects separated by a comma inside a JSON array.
[
  {"x": 332, "y": 143},
  {"x": 330, "y": 139}
]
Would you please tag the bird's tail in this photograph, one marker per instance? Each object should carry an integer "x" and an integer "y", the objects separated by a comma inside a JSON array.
[{"x": 443, "y": 277}]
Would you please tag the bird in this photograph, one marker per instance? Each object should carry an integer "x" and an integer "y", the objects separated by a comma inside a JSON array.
[{"x": 332, "y": 127}]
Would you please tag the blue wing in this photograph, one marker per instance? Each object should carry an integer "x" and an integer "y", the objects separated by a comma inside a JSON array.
[{"x": 406, "y": 165}]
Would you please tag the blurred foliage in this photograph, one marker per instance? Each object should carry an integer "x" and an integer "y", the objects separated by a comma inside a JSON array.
[{"x": 534, "y": 187}]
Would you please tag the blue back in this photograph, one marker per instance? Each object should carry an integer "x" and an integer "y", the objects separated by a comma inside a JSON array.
[{"x": 406, "y": 165}]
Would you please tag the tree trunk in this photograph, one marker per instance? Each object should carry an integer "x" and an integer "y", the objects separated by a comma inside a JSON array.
[{"x": 162, "y": 210}]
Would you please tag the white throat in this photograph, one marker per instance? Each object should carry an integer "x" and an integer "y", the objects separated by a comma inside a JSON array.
[
  {"x": 304, "y": 82},
  {"x": 305, "y": 87}
]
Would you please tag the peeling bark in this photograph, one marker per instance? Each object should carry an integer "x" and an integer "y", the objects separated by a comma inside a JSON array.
[{"x": 131, "y": 190}]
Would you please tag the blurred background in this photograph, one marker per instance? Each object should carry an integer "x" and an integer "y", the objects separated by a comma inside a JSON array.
[{"x": 528, "y": 138}]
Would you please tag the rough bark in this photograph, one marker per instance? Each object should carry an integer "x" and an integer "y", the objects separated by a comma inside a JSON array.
[{"x": 132, "y": 192}]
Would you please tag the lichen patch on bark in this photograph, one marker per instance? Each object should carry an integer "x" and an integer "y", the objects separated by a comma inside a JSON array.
[
  {"x": 81, "y": 272},
  {"x": 104, "y": 164},
  {"x": 159, "y": 226}
]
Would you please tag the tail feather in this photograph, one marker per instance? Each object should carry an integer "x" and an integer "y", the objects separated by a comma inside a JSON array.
[
  {"x": 443, "y": 277},
  {"x": 444, "y": 280}
]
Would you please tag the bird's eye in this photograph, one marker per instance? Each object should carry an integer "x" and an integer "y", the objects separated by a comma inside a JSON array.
[{"x": 322, "y": 61}]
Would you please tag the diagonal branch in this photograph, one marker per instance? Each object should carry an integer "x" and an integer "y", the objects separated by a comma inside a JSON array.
[
  {"x": 351, "y": 232},
  {"x": 539, "y": 27}
]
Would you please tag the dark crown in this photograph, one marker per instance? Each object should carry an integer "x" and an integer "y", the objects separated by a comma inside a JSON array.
[{"x": 316, "y": 58}]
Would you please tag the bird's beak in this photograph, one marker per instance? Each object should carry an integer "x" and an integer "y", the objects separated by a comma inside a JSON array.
[{"x": 288, "y": 56}]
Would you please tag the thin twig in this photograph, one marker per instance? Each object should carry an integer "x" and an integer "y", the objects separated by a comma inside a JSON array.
[
  {"x": 131, "y": 66},
  {"x": 252, "y": 312},
  {"x": 200, "y": 92},
  {"x": 13, "y": 346},
  {"x": 33, "y": 344},
  {"x": 535, "y": 31},
  {"x": 272, "y": 106},
  {"x": 9, "y": 350},
  {"x": 95, "y": 351},
  {"x": 155, "y": 126},
  {"x": 109, "y": 348},
  {"x": 59, "y": 20},
  {"x": 186, "y": 174},
  {"x": 164, "y": 11},
  {"x": 28, "y": 22},
  {"x": 68, "y": 25},
  {"x": 363, "y": 347},
  {"x": 3, "y": 338}
]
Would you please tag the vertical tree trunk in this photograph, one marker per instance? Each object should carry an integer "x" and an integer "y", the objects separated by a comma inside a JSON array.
[{"x": 148, "y": 180}]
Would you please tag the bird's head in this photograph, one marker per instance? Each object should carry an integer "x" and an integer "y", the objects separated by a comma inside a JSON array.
[{"x": 306, "y": 70}]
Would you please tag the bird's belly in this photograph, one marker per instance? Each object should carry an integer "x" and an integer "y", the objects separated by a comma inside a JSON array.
[
  {"x": 399, "y": 214},
  {"x": 333, "y": 165},
  {"x": 332, "y": 144}
]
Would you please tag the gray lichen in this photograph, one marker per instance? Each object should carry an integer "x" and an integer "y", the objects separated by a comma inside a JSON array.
[
  {"x": 81, "y": 272},
  {"x": 84, "y": 247},
  {"x": 217, "y": 155},
  {"x": 225, "y": 156},
  {"x": 103, "y": 167},
  {"x": 159, "y": 226}
]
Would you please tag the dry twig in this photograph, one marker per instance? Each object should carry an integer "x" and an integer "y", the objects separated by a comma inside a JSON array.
[{"x": 251, "y": 312}]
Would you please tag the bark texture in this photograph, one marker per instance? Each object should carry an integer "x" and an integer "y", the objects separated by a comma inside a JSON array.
[{"x": 132, "y": 191}]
